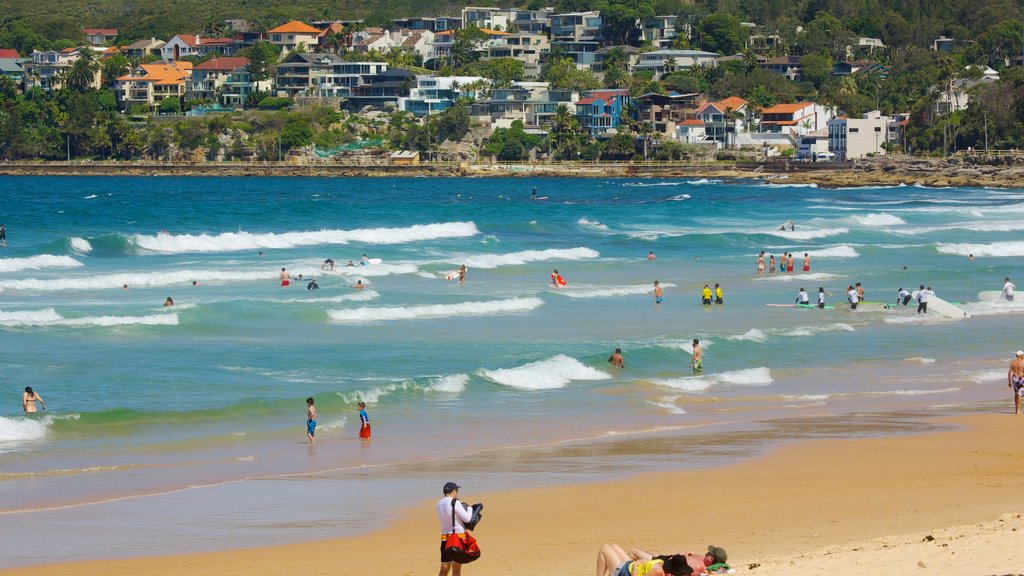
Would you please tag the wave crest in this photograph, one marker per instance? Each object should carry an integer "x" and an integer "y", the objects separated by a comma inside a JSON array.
[
  {"x": 480, "y": 308},
  {"x": 554, "y": 372},
  {"x": 525, "y": 256},
  {"x": 38, "y": 262}
]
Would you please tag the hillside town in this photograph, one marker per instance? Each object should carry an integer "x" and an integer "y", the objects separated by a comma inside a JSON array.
[{"x": 512, "y": 84}]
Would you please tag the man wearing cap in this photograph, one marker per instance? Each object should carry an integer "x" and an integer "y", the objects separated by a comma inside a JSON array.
[
  {"x": 463, "y": 513},
  {"x": 715, "y": 559},
  {"x": 1015, "y": 379}
]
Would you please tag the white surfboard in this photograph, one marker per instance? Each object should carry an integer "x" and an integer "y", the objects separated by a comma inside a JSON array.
[
  {"x": 454, "y": 275},
  {"x": 940, "y": 306},
  {"x": 369, "y": 261},
  {"x": 991, "y": 296}
]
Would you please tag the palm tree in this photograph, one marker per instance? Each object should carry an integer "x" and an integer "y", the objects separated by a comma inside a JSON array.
[
  {"x": 669, "y": 65},
  {"x": 616, "y": 78},
  {"x": 81, "y": 75}
]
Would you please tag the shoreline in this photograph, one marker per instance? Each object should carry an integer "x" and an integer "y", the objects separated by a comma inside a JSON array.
[
  {"x": 885, "y": 171},
  {"x": 788, "y": 510}
]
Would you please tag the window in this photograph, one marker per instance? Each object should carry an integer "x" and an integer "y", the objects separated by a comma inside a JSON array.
[{"x": 854, "y": 130}]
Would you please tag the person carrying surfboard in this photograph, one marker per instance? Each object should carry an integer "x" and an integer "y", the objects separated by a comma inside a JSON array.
[
  {"x": 1008, "y": 289},
  {"x": 904, "y": 296},
  {"x": 556, "y": 279}
]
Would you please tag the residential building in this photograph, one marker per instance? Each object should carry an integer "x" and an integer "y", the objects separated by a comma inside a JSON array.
[
  {"x": 794, "y": 120},
  {"x": 870, "y": 44},
  {"x": 578, "y": 34},
  {"x": 788, "y": 66},
  {"x": 290, "y": 35},
  {"x": 143, "y": 49},
  {"x": 208, "y": 77},
  {"x": 383, "y": 90},
  {"x": 322, "y": 75},
  {"x": 11, "y": 65},
  {"x": 600, "y": 111},
  {"x": 955, "y": 96},
  {"x": 184, "y": 45},
  {"x": 660, "y": 31},
  {"x": 762, "y": 44},
  {"x": 943, "y": 44},
  {"x": 851, "y": 138},
  {"x": 667, "y": 61},
  {"x": 508, "y": 19},
  {"x": 150, "y": 84},
  {"x": 526, "y": 47},
  {"x": 665, "y": 112},
  {"x": 724, "y": 120},
  {"x": 691, "y": 131},
  {"x": 432, "y": 23},
  {"x": 444, "y": 41},
  {"x": 334, "y": 38},
  {"x": 532, "y": 103},
  {"x": 433, "y": 94},
  {"x": 99, "y": 36},
  {"x": 238, "y": 85},
  {"x": 632, "y": 56},
  {"x": 46, "y": 68},
  {"x": 814, "y": 146}
]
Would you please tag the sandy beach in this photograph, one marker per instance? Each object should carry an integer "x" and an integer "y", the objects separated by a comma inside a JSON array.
[{"x": 940, "y": 503}]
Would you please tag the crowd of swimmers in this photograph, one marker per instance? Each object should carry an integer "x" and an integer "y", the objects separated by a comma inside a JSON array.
[{"x": 786, "y": 262}]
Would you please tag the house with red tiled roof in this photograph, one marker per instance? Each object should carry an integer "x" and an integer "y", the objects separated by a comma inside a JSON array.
[
  {"x": 208, "y": 77},
  {"x": 600, "y": 111},
  {"x": 724, "y": 119},
  {"x": 98, "y": 36},
  {"x": 9, "y": 53},
  {"x": 184, "y": 45},
  {"x": 150, "y": 84},
  {"x": 290, "y": 35}
]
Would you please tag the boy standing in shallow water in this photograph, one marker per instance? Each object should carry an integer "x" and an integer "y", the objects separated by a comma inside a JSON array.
[
  {"x": 364, "y": 422},
  {"x": 310, "y": 420}
]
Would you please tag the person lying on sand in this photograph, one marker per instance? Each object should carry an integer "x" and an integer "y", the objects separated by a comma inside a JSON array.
[{"x": 612, "y": 560}]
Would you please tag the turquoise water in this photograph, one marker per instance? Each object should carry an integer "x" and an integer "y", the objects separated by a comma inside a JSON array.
[{"x": 188, "y": 421}]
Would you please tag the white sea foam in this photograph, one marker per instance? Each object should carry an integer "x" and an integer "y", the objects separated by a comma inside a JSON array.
[
  {"x": 235, "y": 241},
  {"x": 801, "y": 276},
  {"x": 759, "y": 376},
  {"x": 794, "y": 185},
  {"x": 89, "y": 197},
  {"x": 450, "y": 384},
  {"x": 879, "y": 219},
  {"x": 686, "y": 383},
  {"x": 585, "y": 223},
  {"x": 993, "y": 308},
  {"x": 995, "y": 249},
  {"x": 913, "y": 392},
  {"x": 80, "y": 245},
  {"x": 554, "y": 372},
  {"x": 50, "y": 317},
  {"x": 988, "y": 376},
  {"x": 587, "y": 291},
  {"x": 669, "y": 404},
  {"x": 381, "y": 314},
  {"x": 918, "y": 319},
  {"x": 752, "y": 335},
  {"x": 833, "y": 252},
  {"x": 812, "y": 330},
  {"x": 688, "y": 345},
  {"x": 808, "y": 234},
  {"x": 382, "y": 269},
  {"x": 808, "y": 397},
  {"x": 678, "y": 198},
  {"x": 20, "y": 429},
  {"x": 920, "y": 360},
  {"x": 37, "y": 263},
  {"x": 525, "y": 256},
  {"x": 137, "y": 279}
]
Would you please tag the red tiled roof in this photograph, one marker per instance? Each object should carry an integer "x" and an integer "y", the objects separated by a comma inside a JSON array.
[
  {"x": 787, "y": 108},
  {"x": 225, "y": 63},
  {"x": 692, "y": 122},
  {"x": 99, "y": 31},
  {"x": 215, "y": 41},
  {"x": 588, "y": 100},
  {"x": 734, "y": 102},
  {"x": 9, "y": 53},
  {"x": 188, "y": 39},
  {"x": 332, "y": 27},
  {"x": 294, "y": 27}
]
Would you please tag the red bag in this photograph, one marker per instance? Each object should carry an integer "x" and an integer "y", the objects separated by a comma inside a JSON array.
[{"x": 461, "y": 548}]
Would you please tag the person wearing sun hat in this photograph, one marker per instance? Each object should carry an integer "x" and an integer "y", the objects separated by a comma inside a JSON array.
[{"x": 715, "y": 559}]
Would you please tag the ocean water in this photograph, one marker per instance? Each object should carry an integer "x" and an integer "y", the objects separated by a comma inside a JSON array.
[{"x": 174, "y": 429}]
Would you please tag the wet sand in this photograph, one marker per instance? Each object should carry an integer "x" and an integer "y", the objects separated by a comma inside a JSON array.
[{"x": 814, "y": 507}]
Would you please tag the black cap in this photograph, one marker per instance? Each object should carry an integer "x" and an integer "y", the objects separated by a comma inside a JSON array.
[{"x": 450, "y": 487}]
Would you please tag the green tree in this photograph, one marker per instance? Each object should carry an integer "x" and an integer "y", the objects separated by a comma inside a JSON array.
[
  {"x": 114, "y": 67},
  {"x": 817, "y": 69},
  {"x": 621, "y": 146},
  {"x": 722, "y": 33},
  {"x": 169, "y": 105},
  {"x": 619, "y": 19},
  {"x": 262, "y": 58},
  {"x": 82, "y": 73}
]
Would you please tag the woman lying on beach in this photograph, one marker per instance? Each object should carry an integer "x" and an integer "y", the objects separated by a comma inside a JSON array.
[{"x": 612, "y": 560}]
